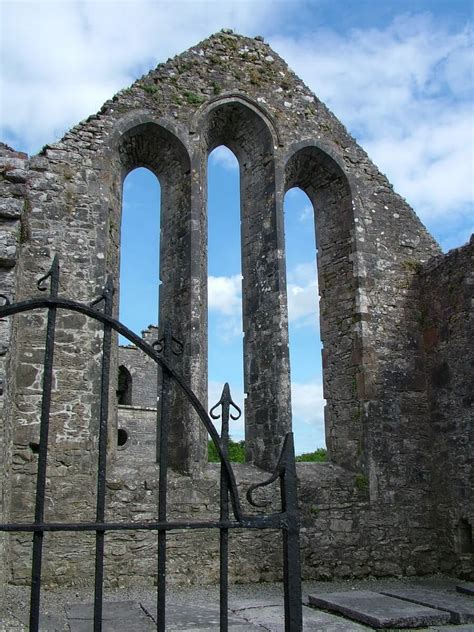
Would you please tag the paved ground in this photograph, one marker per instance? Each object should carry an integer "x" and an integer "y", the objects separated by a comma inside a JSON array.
[{"x": 256, "y": 607}]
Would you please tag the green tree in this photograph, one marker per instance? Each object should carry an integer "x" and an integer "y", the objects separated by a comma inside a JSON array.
[
  {"x": 236, "y": 452},
  {"x": 320, "y": 455}
]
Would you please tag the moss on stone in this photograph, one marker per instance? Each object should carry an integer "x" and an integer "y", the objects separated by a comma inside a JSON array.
[
  {"x": 149, "y": 88},
  {"x": 412, "y": 265},
  {"x": 361, "y": 482},
  {"x": 193, "y": 99}
]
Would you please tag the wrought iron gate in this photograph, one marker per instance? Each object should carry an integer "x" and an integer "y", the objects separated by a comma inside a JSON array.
[{"x": 286, "y": 520}]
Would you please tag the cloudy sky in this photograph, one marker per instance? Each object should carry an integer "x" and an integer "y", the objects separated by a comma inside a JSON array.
[{"x": 399, "y": 74}]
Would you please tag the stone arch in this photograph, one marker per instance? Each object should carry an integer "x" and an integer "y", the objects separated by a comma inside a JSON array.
[
  {"x": 141, "y": 141},
  {"x": 245, "y": 104},
  {"x": 153, "y": 146},
  {"x": 320, "y": 176},
  {"x": 240, "y": 125}
]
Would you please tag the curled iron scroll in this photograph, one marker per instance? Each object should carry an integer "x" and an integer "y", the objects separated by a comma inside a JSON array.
[
  {"x": 53, "y": 274},
  {"x": 252, "y": 488},
  {"x": 279, "y": 472},
  {"x": 107, "y": 292},
  {"x": 177, "y": 346}
]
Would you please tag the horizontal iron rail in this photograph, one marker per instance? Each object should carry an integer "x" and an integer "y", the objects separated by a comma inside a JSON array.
[{"x": 275, "y": 521}]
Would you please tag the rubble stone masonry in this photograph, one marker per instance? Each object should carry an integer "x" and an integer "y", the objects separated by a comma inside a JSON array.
[{"x": 396, "y": 326}]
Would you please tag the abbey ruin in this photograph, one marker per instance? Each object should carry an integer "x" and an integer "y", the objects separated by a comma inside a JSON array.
[{"x": 397, "y": 323}]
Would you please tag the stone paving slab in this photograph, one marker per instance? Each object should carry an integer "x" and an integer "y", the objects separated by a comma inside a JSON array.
[
  {"x": 466, "y": 588},
  {"x": 197, "y": 618},
  {"x": 124, "y": 616},
  {"x": 379, "y": 611},
  {"x": 460, "y": 607},
  {"x": 272, "y": 618}
]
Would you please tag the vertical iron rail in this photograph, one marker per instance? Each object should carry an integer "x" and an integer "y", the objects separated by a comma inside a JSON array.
[
  {"x": 291, "y": 543},
  {"x": 107, "y": 298},
  {"x": 53, "y": 275},
  {"x": 164, "y": 419},
  {"x": 224, "y": 514},
  {"x": 226, "y": 402}
]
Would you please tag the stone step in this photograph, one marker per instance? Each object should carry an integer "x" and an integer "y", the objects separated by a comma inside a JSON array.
[
  {"x": 460, "y": 607},
  {"x": 379, "y": 611}
]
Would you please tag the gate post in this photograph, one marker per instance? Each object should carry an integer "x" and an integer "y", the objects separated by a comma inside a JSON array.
[{"x": 291, "y": 539}]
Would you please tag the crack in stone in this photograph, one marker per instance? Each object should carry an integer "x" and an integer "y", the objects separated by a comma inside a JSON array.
[{"x": 148, "y": 614}]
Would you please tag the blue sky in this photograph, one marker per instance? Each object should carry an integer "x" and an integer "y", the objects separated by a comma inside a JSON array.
[{"x": 398, "y": 74}]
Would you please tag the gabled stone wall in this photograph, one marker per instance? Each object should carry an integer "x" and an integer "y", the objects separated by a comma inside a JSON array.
[{"x": 377, "y": 497}]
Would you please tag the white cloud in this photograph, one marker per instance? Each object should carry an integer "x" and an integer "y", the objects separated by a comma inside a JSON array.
[
  {"x": 224, "y": 157},
  {"x": 308, "y": 402},
  {"x": 225, "y": 300},
  {"x": 62, "y": 60},
  {"x": 436, "y": 172},
  {"x": 229, "y": 328},
  {"x": 306, "y": 214},
  {"x": 303, "y": 295},
  {"x": 225, "y": 294},
  {"x": 405, "y": 91}
]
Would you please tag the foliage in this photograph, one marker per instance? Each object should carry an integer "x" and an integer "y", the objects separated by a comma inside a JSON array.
[
  {"x": 236, "y": 452},
  {"x": 193, "y": 99},
  {"x": 150, "y": 88},
  {"x": 361, "y": 482},
  {"x": 319, "y": 456}
]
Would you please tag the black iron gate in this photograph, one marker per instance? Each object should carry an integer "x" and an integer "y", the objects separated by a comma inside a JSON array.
[{"x": 286, "y": 520}]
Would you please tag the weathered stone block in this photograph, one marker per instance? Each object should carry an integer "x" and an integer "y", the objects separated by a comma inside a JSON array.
[{"x": 378, "y": 610}]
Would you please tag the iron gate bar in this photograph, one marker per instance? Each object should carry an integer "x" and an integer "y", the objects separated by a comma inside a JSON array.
[
  {"x": 35, "y": 596},
  {"x": 286, "y": 520},
  {"x": 225, "y": 402},
  {"x": 165, "y": 396},
  {"x": 107, "y": 299}
]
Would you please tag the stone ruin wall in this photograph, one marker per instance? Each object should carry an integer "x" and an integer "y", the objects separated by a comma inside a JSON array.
[
  {"x": 447, "y": 320},
  {"x": 373, "y": 508}
]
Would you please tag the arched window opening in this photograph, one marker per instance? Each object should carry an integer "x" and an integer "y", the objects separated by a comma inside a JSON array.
[
  {"x": 139, "y": 250},
  {"x": 307, "y": 400},
  {"x": 122, "y": 438},
  {"x": 245, "y": 132},
  {"x": 316, "y": 173},
  {"x": 124, "y": 387},
  {"x": 225, "y": 282}
]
